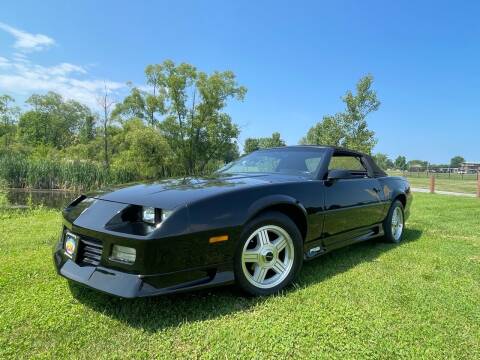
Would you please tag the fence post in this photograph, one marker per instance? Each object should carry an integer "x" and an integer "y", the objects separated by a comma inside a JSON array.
[
  {"x": 432, "y": 184},
  {"x": 478, "y": 184}
]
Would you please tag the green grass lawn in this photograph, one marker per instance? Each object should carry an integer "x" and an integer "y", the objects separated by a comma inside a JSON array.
[
  {"x": 417, "y": 299},
  {"x": 465, "y": 186},
  {"x": 442, "y": 182}
]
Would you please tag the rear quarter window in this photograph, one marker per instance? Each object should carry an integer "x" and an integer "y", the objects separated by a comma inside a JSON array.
[{"x": 351, "y": 163}]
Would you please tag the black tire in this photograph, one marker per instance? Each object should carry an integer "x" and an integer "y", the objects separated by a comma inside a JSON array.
[
  {"x": 387, "y": 223},
  {"x": 276, "y": 219}
]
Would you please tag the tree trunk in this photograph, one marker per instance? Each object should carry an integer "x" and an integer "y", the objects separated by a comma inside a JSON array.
[
  {"x": 105, "y": 137},
  {"x": 105, "y": 147}
]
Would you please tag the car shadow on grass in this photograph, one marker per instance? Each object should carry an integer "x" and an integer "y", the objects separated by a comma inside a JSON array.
[{"x": 156, "y": 313}]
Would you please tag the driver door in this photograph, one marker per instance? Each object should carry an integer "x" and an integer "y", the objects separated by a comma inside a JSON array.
[{"x": 353, "y": 205}]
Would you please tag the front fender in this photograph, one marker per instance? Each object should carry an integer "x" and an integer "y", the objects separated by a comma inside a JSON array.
[{"x": 270, "y": 201}]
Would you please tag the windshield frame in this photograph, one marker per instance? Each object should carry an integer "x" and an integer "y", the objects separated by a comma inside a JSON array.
[{"x": 316, "y": 175}]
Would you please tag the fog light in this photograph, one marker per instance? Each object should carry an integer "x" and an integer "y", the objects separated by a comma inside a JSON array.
[
  {"x": 70, "y": 244},
  {"x": 123, "y": 254}
]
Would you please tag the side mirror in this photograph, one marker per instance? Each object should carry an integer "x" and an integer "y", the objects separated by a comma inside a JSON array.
[{"x": 337, "y": 174}]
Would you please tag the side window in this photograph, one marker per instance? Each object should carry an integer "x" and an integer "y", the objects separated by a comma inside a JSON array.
[
  {"x": 312, "y": 164},
  {"x": 350, "y": 163}
]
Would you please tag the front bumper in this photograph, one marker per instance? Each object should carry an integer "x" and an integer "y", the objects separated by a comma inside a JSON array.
[{"x": 126, "y": 285}]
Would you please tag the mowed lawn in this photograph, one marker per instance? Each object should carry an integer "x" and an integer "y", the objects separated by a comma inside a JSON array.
[
  {"x": 454, "y": 182},
  {"x": 455, "y": 185},
  {"x": 370, "y": 300}
]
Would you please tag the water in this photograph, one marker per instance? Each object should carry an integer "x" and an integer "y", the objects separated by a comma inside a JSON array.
[{"x": 47, "y": 198}]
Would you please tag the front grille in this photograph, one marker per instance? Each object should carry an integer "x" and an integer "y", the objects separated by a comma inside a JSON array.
[{"x": 90, "y": 251}]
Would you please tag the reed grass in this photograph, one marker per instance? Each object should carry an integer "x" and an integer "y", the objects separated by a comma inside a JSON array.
[{"x": 18, "y": 171}]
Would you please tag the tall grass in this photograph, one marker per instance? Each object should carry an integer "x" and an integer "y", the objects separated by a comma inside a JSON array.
[{"x": 19, "y": 171}]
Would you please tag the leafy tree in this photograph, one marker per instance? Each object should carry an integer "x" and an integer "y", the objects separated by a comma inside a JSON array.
[
  {"x": 143, "y": 149},
  {"x": 419, "y": 164},
  {"x": 87, "y": 130},
  {"x": 327, "y": 132},
  {"x": 252, "y": 144},
  {"x": 191, "y": 102},
  {"x": 401, "y": 163},
  {"x": 383, "y": 161},
  {"x": 52, "y": 121},
  {"x": 141, "y": 104},
  {"x": 457, "y": 161},
  {"x": 349, "y": 128},
  {"x": 8, "y": 118},
  {"x": 230, "y": 154}
]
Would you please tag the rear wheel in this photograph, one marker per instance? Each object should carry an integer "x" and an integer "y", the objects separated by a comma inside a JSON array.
[
  {"x": 269, "y": 254},
  {"x": 394, "y": 223}
]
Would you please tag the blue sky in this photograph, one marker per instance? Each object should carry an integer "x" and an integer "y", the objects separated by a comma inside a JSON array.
[{"x": 296, "y": 59}]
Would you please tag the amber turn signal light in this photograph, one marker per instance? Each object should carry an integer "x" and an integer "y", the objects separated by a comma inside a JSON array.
[{"x": 216, "y": 239}]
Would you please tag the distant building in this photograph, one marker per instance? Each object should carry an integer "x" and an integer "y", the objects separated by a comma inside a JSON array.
[{"x": 470, "y": 167}]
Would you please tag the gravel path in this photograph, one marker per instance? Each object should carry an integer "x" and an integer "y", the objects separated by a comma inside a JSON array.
[{"x": 443, "y": 192}]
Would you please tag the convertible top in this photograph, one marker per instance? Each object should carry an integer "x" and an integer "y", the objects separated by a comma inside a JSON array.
[{"x": 377, "y": 171}]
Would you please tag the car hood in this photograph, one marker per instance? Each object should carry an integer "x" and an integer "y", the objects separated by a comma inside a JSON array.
[{"x": 171, "y": 193}]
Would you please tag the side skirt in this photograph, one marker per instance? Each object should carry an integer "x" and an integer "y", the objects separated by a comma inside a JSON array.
[{"x": 316, "y": 248}]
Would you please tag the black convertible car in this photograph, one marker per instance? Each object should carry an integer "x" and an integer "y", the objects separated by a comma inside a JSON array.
[{"x": 253, "y": 223}]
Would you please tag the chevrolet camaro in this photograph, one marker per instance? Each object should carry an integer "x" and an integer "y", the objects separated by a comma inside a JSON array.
[{"x": 253, "y": 223}]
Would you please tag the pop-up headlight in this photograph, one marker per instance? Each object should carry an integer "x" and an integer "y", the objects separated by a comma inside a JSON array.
[
  {"x": 166, "y": 214},
  {"x": 153, "y": 216},
  {"x": 149, "y": 215}
]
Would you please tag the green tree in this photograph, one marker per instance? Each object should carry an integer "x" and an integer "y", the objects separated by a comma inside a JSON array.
[
  {"x": 8, "y": 118},
  {"x": 383, "y": 161},
  {"x": 329, "y": 131},
  {"x": 52, "y": 120},
  {"x": 231, "y": 153},
  {"x": 417, "y": 164},
  {"x": 143, "y": 149},
  {"x": 457, "y": 161},
  {"x": 349, "y": 128},
  {"x": 191, "y": 101},
  {"x": 252, "y": 144},
  {"x": 87, "y": 130},
  {"x": 141, "y": 104},
  {"x": 401, "y": 163}
]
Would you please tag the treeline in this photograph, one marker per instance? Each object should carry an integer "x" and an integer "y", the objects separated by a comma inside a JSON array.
[
  {"x": 401, "y": 163},
  {"x": 174, "y": 126}
]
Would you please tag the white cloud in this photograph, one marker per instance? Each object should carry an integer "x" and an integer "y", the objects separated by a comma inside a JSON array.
[
  {"x": 26, "y": 78},
  {"x": 27, "y": 42},
  {"x": 4, "y": 62},
  {"x": 18, "y": 75}
]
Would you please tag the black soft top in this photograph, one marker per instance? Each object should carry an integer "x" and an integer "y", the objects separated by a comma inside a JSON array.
[{"x": 377, "y": 171}]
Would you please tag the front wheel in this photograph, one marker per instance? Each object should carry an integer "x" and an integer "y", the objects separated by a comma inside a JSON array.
[
  {"x": 269, "y": 254},
  {"x": 394, "y": 223}
]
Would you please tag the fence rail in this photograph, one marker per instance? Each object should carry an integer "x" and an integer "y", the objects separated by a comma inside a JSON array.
[{"x": 438, "y": 174}]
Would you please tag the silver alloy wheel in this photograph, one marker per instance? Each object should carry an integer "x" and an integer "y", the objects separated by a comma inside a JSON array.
[
  {"x": 397, "y": 223},
  {"x": 267, "y": 256}
]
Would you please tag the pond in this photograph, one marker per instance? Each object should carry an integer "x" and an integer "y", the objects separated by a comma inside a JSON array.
[{"x": 49, "y": 198}]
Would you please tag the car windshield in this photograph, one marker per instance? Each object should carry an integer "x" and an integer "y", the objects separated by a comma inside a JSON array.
[{"x": 291, "y": 161}]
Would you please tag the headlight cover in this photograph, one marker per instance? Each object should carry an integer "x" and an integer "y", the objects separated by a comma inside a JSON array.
[{"x": 123, "y": 254}]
